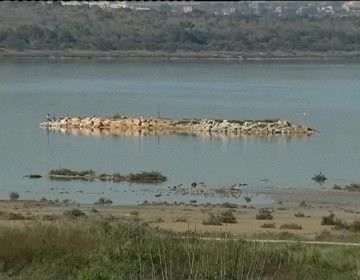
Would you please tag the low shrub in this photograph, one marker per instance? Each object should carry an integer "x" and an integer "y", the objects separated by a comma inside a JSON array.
[
  {"x": 303, "y": 204},
  {"x": 264, "y": 214},
  {"x": 353, "y": 188},
  {"x": 336, "y": 187},
  {"x": 247, "y": 199},
  {"x": 341, "y": 225},
  {"x": 213, "y": 220},
  {"x": 319, "y": 178},
  {"x": 268, "y": 225},
  {"x": 73, "y": 214},
  {"x": 291, "y": 226},
  {"x": 228, "y": 217},
  {"x": 14, "y": 196},
  {"x": 103, "y": 200},
  {"x": 229, "y": 205},
  {"x": 328, "y": 220},
  {"x": 337, "y": 223},
  {"x": 299, "y": 215}
]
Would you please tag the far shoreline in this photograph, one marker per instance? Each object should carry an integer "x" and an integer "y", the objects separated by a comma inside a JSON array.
[{"x": 276, "y": 56}]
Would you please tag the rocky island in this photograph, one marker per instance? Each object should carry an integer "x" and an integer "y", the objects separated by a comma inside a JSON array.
[{"x": 123, "y": 123}]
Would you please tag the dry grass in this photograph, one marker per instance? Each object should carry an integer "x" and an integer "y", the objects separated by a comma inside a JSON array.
[
  {"x": 134, "y": 213},
  {"x": 105, "y": 248},
  {"x": 181, "y": 220}
]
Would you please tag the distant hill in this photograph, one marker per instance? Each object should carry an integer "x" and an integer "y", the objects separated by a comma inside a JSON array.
[{"x": 41, "y": 26}]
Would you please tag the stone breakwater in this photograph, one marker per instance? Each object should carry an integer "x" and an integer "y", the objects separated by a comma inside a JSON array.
[{"x": 250, "y": 127}]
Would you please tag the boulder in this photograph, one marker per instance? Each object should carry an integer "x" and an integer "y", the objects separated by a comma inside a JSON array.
[
  {"x": 88, "y": 124},
  {"x": 129, "y": 122},
  {"x": 75, "y": 124},
  {"x": 261, "y": 124},
  {"x": 106, "y": 122},
  {"x": 136, "y": 122},
  {"x": 73, "y": 120},
  {"x": 85, "y": 120},
  {"x": 97, "y": 124},
  {"x": 286, "y": 123}
]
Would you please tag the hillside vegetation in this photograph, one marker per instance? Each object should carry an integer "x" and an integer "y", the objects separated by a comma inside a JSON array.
[{"x": 40, "y": 26}]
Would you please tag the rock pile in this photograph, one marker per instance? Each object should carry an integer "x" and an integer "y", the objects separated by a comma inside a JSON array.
[{"x": 262, "y": 127}]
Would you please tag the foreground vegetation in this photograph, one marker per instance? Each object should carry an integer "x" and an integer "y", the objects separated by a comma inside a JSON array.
[
  {"x": 99, "y": 247},
  {"x": 38, "y": 26}
]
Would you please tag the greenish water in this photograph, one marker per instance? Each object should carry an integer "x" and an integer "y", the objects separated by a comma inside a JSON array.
[{"x": 327, "y": 93}]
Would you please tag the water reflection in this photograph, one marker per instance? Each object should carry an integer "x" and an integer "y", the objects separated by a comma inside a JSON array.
[{"x": 212, "y": 136}]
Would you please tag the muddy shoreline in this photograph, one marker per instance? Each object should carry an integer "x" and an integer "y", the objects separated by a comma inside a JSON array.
[{"x": 205, "y": 55}]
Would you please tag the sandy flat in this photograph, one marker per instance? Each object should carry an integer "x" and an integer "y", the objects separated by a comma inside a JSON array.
[{"x": 319, "y": 203}]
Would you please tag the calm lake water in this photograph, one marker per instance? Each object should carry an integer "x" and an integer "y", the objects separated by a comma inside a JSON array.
[{"x": 325, "y": 96}]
